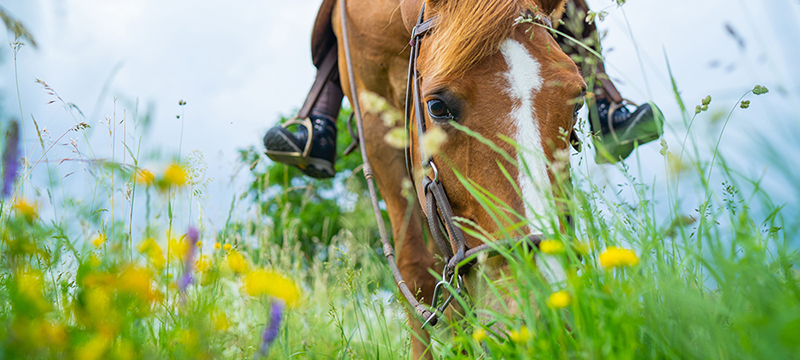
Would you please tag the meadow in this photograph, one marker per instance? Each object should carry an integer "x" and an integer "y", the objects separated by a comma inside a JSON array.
[{"x": 106, "y": 272}]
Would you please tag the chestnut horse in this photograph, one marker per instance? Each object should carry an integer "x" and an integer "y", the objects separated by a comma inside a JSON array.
[{"x": 479, "y": 69}]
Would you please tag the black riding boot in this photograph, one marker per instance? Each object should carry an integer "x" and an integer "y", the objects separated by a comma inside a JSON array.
[
  {"x": 621, "y": 130},
  {"x": 314, "y": 158}
]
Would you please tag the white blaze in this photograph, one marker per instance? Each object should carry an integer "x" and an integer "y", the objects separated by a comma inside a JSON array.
[{"x": 524, "y": 82}]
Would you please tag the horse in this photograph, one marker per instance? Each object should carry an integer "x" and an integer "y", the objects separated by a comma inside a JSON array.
[{"x": 481, "y": 70}]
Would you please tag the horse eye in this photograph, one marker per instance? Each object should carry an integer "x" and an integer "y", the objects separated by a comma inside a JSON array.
[
  {"x": 578, "y": 106},
  {"x": 438, "y": 110}
]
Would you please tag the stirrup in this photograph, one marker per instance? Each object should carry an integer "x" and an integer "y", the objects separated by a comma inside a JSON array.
[
  {"x": 297, "y": 158},
  {"x": 612, "y": 108},
  {"x": 309, "y": 126}
]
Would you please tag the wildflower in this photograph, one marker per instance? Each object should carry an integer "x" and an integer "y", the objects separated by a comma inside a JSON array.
[
  {"x": 177, "y": 248},
  {"x": 433, "y": 140},
  {"x": 98, "y": 301},
  {"x": 93, "y": 349},
  {"x": 29, "y": 285},
  {"x": 136, "y": 281},
  {"x": 93, "y": 261},
  {"x": 99, "y": 240},
  {"x": 520, "y": 336},
  {"x": 203, "y": 263},
  {"x": 217, "y": 246},
  {"x": 175, "y": 175},
  {"x": 271, "y": 332},
  {"x": 26, "y": 209},
  {"x": 10, "y": 160},
  {"x": 199, "y": 244},
  {"x": 227, "y": 247},
  {"x": 220, "y": 321},
  {"x": 479, "y": 335},
  {"x": 264, "y": 282},
  {"x": 614, "y": 257},
  {"x": 153, "y": 252},
  {"x": 373, "y": 103},
  {"x": 236, "y": 261},
  {"x": 188, "y": 262},
  {"x": 396, "y": 138},
  {"x": 559, "y": 299},
  {"x": 145, "y": 177},
  {"x": 551, "y": 247}
]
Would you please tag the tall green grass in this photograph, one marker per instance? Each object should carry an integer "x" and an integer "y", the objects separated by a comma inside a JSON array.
[{"x": 81, "y": 277}]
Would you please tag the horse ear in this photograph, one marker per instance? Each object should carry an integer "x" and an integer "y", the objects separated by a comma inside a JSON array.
[{"x": 550, "y": 6}]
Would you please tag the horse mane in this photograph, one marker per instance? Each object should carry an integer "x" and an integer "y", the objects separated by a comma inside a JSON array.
[{"x": 471, "y": 30}]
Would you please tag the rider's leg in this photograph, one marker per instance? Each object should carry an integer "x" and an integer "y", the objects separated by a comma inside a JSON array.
[
  {"x": 616, "y": 129},
  {"x": 314, "y": 156}
]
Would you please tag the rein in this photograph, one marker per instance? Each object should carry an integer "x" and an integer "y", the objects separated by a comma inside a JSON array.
[{"x": 437, "y": 209}]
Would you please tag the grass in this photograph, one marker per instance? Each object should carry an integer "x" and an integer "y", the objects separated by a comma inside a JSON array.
[{"x": 646, "y": 281}]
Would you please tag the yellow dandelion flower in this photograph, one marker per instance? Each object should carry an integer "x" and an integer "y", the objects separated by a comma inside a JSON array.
[
  {"x": 265, "y": 282},
  {"x": 203, "y": 263},
  {"x": 520, "y": 336},
  {"x": 220, "y": 321},
  {"x": 551, "y": 247},
  {"x": 199, "y": 244},
  {"x": 227, "y": 247},
  {"x": 559, "y": 299},
  {"x": 26, "y": 209},
  {"x": 136, "y": 281},
  {"x": 99, "y": 240},
  {"x": 145, "y": 177},
  {"x": 178, "y": 248},
  {"x": 93, "y": 261},
  {"x": 236, "y": 262},
  {"x": 93, "y": 349},
  {"x": 217, "y": 246},
  {"x": 479, "y": 335},
  {"x": 149, "y": 247},
  {"x": 614, "y": 257},
  {"x": 175, "y": 175},
  {"x": 29, "y": 286}
]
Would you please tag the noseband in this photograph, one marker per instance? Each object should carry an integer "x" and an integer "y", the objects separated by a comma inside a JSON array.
[{"x": 448, "y": 237}]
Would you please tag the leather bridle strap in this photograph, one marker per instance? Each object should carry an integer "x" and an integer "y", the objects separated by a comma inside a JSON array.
[
  {"x": 437, "y": 208},
  {"x": 491, "y": 249},
  {"x": 388, "y": 250}
]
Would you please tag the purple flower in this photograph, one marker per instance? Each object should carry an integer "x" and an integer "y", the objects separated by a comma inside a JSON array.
[
  {"x": 185, "y": 280},
  {"x": 271, "y": 332},
  {"x": 188, "y": 264},
  {"x": 10, "y": 160}
]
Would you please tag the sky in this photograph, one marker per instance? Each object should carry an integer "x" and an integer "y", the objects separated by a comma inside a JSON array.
[{"x": 240, "y": 65}]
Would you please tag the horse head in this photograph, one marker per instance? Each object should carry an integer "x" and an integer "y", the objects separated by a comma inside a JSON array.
[{"x": 482, "y": 75}]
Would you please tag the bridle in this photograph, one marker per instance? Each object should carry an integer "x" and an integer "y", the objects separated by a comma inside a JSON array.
[{"x": 448, "y": 237}]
